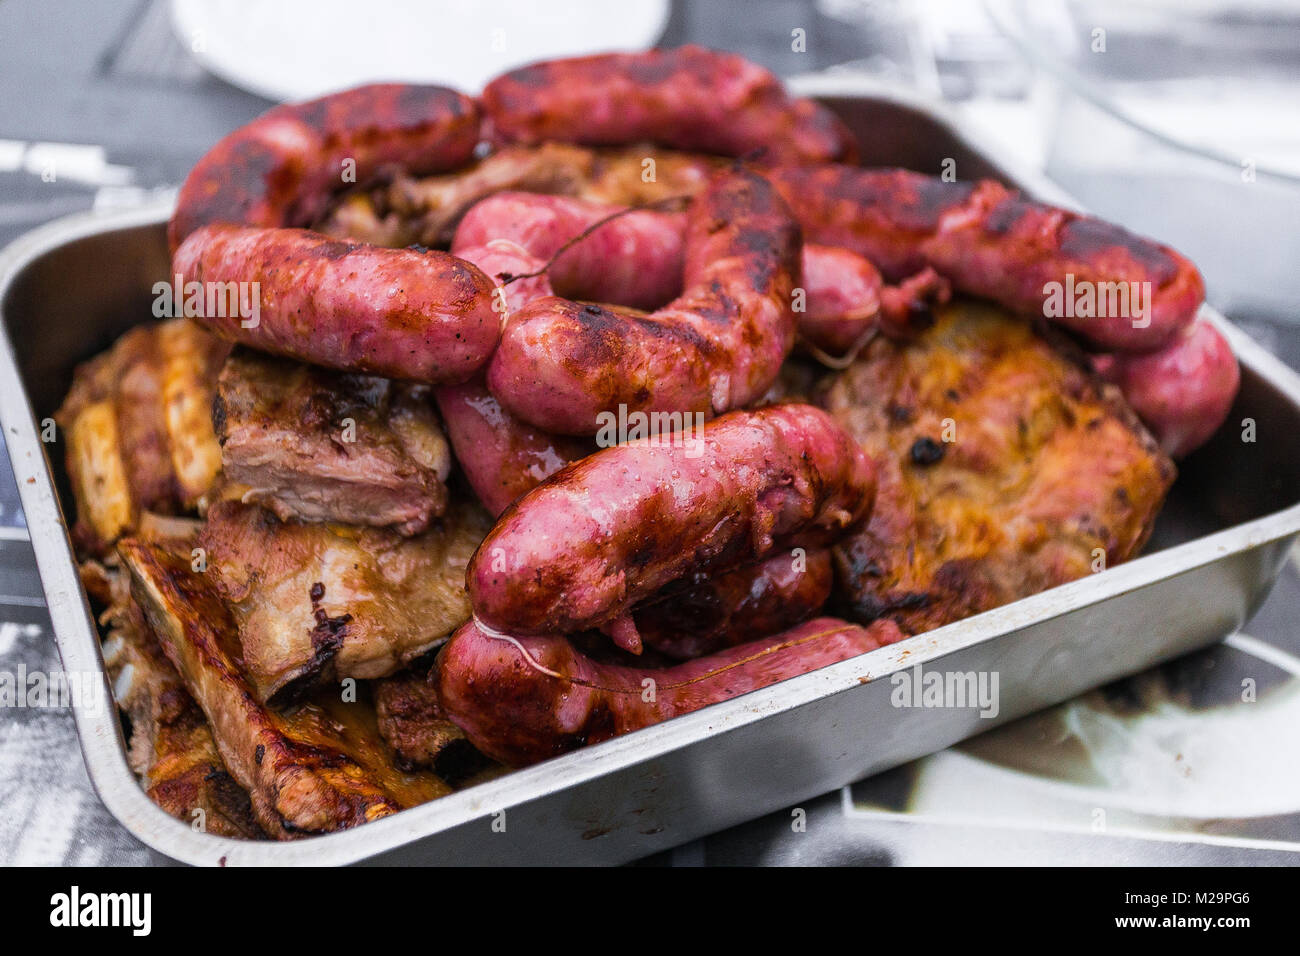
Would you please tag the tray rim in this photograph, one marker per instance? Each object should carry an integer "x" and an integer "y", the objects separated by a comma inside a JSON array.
[{"x": 77, "y": 638}]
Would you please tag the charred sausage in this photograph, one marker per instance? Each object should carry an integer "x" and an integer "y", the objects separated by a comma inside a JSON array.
[{"x": 601, "y": 535}]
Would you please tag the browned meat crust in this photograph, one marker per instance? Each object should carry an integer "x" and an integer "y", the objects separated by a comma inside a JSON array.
[
  {"x": 319, "y": 768},
  {"x": 1045, "y": 477},
  {"x": 171, "y": 746},
  {"x": 331, "y": 446},
  {"x": 427, "y": 210},
  {"x": 138, "y": 426},
  {"x": 320, "y": 602},
  {"x": 413, "y": 723}
]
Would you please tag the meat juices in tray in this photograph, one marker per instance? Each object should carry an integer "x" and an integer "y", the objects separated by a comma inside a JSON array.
[{"x": 581, "y": 408}]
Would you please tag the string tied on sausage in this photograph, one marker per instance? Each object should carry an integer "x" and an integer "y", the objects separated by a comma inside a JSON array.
[{"x": 667, "y": 204}]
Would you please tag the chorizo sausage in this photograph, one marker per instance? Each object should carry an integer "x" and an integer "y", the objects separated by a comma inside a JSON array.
[
  {"x": 686, "y": 98},
  {"x": 990, "y": 242},
  {"x": 609, "y": 253},
  {"x": 633, "y": 259},
  {"x": 1184, "y": 391},
  {"x": 708, "y": 612},
  {"x": 282, "y": 168},
  {"x": 847, "y": 298},
  {"x": 410, "y": 314},
  {"x": 603, "y": 534},
  {"x": 718, "y": 346},
  {"x": 524, "y": 699},
  {"x": 501, "y": 457}
]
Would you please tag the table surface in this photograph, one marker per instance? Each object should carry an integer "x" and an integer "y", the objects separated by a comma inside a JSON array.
[{"x": 107, "y": 86}]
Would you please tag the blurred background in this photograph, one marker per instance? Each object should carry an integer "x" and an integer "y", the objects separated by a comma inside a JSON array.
[{"x": 1177, "y": 118}]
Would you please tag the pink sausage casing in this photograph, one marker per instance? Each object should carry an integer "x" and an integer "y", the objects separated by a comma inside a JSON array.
[
  {"x": 718, "y": 346},
  {"x": 603, "y": 534},
  {"x": 708, "y": 612},
  {"x": 524, "y": 699},
  {"x": 425, "y": 316},
  {"x": 635, "y": 257},
  {"x": 633, "y": 260},
  {"x": 1182, "y": 392},
  {"x": 688, "y": 98},
  {"x": 501, "y": 457},
  {"x": 282, "y": 168},
  {"x": 990, "y": 242}
]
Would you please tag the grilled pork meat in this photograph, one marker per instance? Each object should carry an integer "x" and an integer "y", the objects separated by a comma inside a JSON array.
[
  {"x": 415, "y": 726},
  {"x": 427, "y": 209},
  {"x": 317, "y": 768},
  {"x": 1005, "y": 468},
  {"x": 330, "y": 446},
  {"x": 318, "y": 602},
  {"x": 171, "y": 747},
  {"x": 139, "y": 433}
]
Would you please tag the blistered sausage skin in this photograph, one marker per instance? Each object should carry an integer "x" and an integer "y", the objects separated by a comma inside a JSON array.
[
  {"x": 710, "y": 612},
  {"x": 990, "y": 242},
  {"x": 1182, "y": 392},
  {"x": 602, "y": 535},
  {"x": 686, "y": 98},
  {"x": 282, "y": 168},
  {"x": 524, "y": 699},
  {"x": 410, "y": 314},
  {"x": 718, "y": 346}
]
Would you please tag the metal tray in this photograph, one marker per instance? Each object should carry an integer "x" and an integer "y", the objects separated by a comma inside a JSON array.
[{"x": 68, "y": 289}]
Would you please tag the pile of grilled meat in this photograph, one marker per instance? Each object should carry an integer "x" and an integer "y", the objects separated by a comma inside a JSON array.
[{"x": 345, "y": 568}]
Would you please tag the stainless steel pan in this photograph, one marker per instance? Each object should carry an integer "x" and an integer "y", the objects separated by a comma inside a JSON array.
[{"x": 68, "y": 289}]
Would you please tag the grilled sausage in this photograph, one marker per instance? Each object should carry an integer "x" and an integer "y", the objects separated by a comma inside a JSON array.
[
  {"x": 634, "y": 259},
  {"x": 708, "y": 612},
  {"x": 401, "y": 313},
  {"x": 847, "y": 298},
  {"x": 717, "y": 346},
  {"x": 991, "y": 242},
  {"x": 524, "y": 699},
  {"x": 687, "y": 98},
  {"x": 1184, "y": 391},
  {"x": 501, "y": 457},
  {"x": 282, "y": 168},
  {"x": 601, "y": 535}
]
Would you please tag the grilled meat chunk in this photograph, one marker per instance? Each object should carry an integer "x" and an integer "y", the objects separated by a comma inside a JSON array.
[
  {"x": 413, "y": 723},
  {"x": 426, "y": 210},
  {"x": 318, "y": 768},
  {"x": 330, "y": 446},
  {"x": 139, "y": 430},
  {"x": 319, "y": 602},
  {"x": 1005, "y": 469},
  {"x": 171, "y": 747}
]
